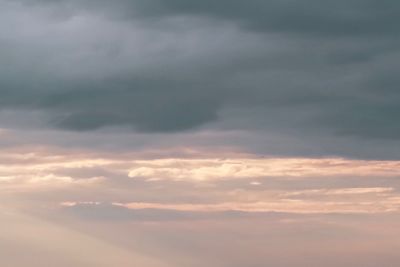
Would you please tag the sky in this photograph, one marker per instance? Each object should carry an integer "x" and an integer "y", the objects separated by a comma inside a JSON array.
[{"x": 229, "y": 133}]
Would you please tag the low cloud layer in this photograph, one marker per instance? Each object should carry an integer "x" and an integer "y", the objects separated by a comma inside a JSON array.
[{"x": 187, "y": 187}]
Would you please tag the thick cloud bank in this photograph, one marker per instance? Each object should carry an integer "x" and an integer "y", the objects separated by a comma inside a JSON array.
[{"x": 298, "y": 68}]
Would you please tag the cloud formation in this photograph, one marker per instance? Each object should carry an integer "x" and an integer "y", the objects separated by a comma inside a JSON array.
[
  {"x": 182, "y": 188},
  {"x": 282, "y": 67},
  {"x": 175, "y": 132}
]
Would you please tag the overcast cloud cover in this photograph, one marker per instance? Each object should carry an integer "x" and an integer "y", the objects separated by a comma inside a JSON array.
[
  {"x": 174, "y": 132},
  {"x": 297, "y": 68}
]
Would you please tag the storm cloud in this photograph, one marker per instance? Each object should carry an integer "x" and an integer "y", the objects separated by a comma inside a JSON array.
[{"x": 295, "y": 68}]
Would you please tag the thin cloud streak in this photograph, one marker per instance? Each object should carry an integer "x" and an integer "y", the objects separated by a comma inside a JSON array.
[
  {"x": 212, "y": 169},
  {"x": 389, "y": 205}
]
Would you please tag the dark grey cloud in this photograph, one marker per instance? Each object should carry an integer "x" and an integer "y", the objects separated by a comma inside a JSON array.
[
  {"x": 298, "y": 68},
  {"x": 143, "y": 105},
  {"x": 352, "y": 17},
  {"x": 312, "y": 16}
]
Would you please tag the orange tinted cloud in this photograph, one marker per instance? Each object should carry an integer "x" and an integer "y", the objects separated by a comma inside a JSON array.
[{"x": 211, "y": 169}]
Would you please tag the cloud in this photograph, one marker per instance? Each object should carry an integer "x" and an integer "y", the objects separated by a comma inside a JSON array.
[
  {"x": 214, "y": 169},
  {"x": 144, "y": 213},
  {"x": 344, "y": 191},
  {"x": 334, "y": 18},
  {"x": 298, "y": 201},
  {"x": 192, "y": 130},
  {"x": 339, "y": 17},
  {"x": 139, "y": 211},
  {"x": 193, "y": 185},
  {"x": 184, "y": 69}
]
